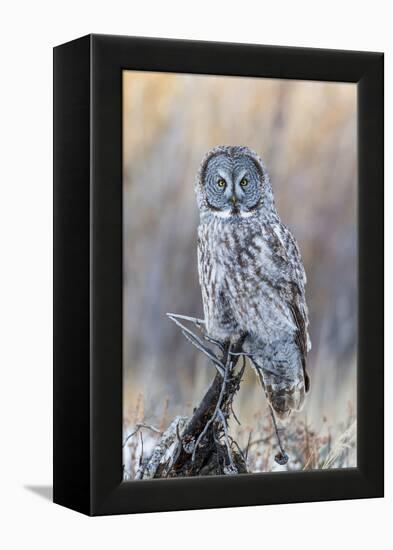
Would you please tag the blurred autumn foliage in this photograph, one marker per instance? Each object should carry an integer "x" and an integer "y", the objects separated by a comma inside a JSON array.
[{"x": 306, "y": 134}]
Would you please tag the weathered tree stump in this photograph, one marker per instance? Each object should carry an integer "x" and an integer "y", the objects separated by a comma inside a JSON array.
[
  {"x": 204, "y": 447},
  {"x": 201, "y": 445}
]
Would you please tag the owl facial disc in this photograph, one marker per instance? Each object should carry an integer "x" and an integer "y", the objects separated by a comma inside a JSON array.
[{"x": 232, "y": 183}]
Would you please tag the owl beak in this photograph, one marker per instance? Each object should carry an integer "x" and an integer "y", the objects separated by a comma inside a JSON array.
[{"x": 235, "y": 204}]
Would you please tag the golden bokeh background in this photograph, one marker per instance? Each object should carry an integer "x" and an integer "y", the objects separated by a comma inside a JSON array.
[{"x": 306, "y": 134}]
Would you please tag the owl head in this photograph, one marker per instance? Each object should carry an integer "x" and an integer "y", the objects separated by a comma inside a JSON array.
[{"x": 233, "y": 183}]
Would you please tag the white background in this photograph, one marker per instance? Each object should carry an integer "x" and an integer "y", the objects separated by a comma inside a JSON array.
[{"x": 29, "y": 30}]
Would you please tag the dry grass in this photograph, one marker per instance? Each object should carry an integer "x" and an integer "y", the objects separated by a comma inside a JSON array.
[{"x": 309, "y": 448}]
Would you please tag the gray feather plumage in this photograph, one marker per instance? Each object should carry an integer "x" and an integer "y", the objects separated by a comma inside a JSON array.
[{"x": 251, "y": 273}]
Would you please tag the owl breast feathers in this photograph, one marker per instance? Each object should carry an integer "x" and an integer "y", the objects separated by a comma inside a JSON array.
[{"x": 251, "y": 273}]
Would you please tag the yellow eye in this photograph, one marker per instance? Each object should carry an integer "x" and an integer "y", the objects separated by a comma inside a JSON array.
[
  {"x": 221, "y": 183},
  {"x": 244, "y": 182}
]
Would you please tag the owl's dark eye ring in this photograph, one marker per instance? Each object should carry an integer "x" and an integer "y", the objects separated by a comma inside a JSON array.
[
  {"x": 244, "y": 182},
  {"x": 221, "y": 183}
]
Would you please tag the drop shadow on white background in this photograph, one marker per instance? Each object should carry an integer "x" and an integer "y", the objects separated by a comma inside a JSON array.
[{"x": 44, "y": 491}]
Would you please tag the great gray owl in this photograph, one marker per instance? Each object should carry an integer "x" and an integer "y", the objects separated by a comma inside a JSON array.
[{"x": 251, "y": 273}]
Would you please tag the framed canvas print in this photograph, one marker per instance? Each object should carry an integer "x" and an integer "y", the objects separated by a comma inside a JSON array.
[{"x": 218, "y": 275}]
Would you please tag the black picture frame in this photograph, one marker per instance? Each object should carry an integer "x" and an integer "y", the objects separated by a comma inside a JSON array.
[{"x": 88, "y": 274}]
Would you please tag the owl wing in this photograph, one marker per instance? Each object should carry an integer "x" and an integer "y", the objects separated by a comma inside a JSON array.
[
  {"x": 296, "y": 297},
  {"x": 283, "y": 360}
]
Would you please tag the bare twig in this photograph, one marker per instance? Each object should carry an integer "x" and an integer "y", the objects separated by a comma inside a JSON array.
[
  {"x": 215, "y": 342},
  {"x": 232, "y": 468},
  {"x": 234, "y": 442},
  {"x": 139, "y": 427},
  {"x": 184, "y": 328},
  {"x": 197, "y": 322},
  {"x": 242, "y": 354},
  {"x": 217, "y": 408},
  {"x": 200, "y": 324},
  {"x": 281, "y": 457},
  {"x": 234, "y": 414},
  {"x": 141, "y": 455},
  {"x": 197, "y": 342},
  {"x": 248, "y": 445},
  {"x": 207, "y": 352},
  {"x": 262, "y": 440}
]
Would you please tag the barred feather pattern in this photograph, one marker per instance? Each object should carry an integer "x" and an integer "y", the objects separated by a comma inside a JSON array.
[{"x": 253, "y": 284}]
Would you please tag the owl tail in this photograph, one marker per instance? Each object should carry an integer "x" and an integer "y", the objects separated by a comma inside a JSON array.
[{"x": 285, "y": 384}]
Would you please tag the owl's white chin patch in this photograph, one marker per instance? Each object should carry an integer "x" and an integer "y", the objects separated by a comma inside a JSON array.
[
  {"x": 223, "y": 213},
  {"x": 229, "y": 213},
  {"x": 244, "y": 214}
]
